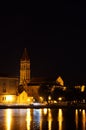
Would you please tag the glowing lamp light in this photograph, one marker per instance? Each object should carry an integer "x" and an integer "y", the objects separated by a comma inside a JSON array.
[
  {"x": 9, "y": 98},
  {"x": 60, "y": 98},
  {"x": 49, "y": 97},
  {"x": 82, "y": 88}
]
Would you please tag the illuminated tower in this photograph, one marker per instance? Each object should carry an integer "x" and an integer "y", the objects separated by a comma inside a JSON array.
[{"x": 24, "y": 68}]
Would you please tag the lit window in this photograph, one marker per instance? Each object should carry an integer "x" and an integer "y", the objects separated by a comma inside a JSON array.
[{"x": 3, "y": 98}]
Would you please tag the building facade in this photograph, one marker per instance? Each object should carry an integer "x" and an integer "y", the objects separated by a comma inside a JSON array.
[
  {"x": 16, "y": 90},
  {"x": 22, "y": 90},
  {"x": 8, "y": 89}
]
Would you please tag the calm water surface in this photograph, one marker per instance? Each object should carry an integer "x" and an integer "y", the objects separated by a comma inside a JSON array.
[{"x": 42, "y": 119}]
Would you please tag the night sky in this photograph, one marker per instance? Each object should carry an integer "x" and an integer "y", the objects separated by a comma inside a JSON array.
[{"x": 55, "y": 44}]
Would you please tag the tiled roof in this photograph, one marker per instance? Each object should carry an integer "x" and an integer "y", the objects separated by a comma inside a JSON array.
[{"x": 42, "y": 80}]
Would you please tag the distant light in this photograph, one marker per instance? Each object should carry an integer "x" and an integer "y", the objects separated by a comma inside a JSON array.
[
  {"x": 49, "y": 98},
  {"x": 60, "y": 98},
  {"x": 82, "y": 88},
  {"x": 55, "y": 101},
  {"x": 64, "y": 88}
]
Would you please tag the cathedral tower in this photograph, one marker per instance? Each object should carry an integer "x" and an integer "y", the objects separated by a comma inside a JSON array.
[{"x": 24, "y": 68}]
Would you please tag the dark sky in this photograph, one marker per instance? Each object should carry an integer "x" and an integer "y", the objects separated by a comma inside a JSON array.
[{"x": 55, "y": 43}]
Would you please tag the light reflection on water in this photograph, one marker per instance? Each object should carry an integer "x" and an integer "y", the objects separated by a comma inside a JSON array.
[
  {"x": 76, "y": 118},
  {"x": 42, "y": 119},
  {"x": 28, "y": 118},
  {"x": 49, "y": 120},
  {"x": 80, "y": 119},
  {"x": 8, "y": 118},
  {"x": 60, "y": 118},
  {"x": 83, "y": 119}
]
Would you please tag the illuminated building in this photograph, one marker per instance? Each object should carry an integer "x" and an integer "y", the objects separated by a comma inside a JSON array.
[
  {"x": 8, "y": 89},
  {"x": 25, "y": 68},
  {"x": 24, "y": 89},
  {"x": 16, "y": 90}
]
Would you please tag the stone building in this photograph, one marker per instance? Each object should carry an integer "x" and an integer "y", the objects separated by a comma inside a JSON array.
[
  {"x": 16, "y": 90},
  {"x": 24, "y": 89},
  {"x": 27, "y": 93},
  {"x": 8, "y": 89}
]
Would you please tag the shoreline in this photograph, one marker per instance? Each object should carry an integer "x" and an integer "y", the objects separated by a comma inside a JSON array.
[{"x": 52, "y": 106}]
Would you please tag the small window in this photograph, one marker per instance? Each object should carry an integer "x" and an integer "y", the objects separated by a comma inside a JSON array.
[
  {"x": 4, "y": 89},
  {"x": 3, "y": 98}
]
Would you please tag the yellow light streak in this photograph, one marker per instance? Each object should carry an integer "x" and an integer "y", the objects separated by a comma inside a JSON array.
[
  {"x": 60, "y": 118},
  {"x": 8, "y": 118}
]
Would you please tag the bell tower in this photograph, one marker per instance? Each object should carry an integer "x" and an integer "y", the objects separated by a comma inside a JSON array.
[{"x": 24, "y": 68}]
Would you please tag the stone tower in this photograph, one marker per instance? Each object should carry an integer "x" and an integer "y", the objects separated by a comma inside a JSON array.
[{"x": 24, "y": 68}]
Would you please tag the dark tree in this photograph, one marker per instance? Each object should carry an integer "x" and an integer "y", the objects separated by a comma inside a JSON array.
[
  {"x": 44, "y": 91},
  {"x": 58, "y": 92}
]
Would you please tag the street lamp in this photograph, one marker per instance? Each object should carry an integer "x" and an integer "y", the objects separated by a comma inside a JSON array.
[{"x": 49, "y": 99}]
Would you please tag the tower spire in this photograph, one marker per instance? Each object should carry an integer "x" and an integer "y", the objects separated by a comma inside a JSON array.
[
  {"x": 25, "y": 55},
  {"x": 24, "y": 68}
]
